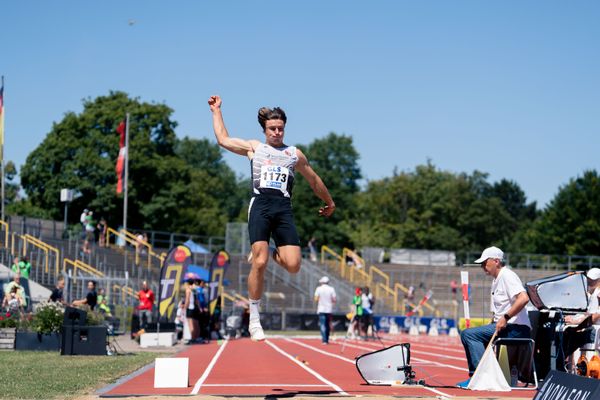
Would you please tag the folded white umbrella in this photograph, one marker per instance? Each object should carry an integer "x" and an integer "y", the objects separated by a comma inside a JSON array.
[{"x": 489, "y": 375}]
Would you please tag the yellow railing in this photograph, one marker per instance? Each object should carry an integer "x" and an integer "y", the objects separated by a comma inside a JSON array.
[
  {"x": 232, "y": 298},
  {"x": 331, "y": 259},
  {"x": 77, "y": 264},
  {"x": 355, "y": 273},
  {"x": 46, "y": 248},
  {"x": 148, "y": 246},
  {"x": 132, "y": 240},
  {"x": 125, "y": 291},
  {"x": 4, "y": 225},
  {"x": 375, "y": 278}
]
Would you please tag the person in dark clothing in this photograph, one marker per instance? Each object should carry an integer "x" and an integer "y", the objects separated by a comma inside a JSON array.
[
  {"x": 91, "y": 299},
  {"x": 57, "y": 292}
]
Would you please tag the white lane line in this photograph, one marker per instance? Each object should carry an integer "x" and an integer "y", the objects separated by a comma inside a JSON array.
[
  {"x": 309, "y": 370},
  {"x": 260, "y": 384},
  {"x": 413, "y": 350},
  {"x": 414, "y": 358},
  {"x": 426, "y": 344},
  {"x": 200, "y": 381},
  {"x": 353, "y": 362}
]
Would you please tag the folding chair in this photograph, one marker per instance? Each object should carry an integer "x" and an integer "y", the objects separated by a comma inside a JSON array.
[{"x": 517, "y": 353}]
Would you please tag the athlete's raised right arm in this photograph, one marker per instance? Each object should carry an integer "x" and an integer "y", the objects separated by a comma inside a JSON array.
[{"x": 238, "y": 146}]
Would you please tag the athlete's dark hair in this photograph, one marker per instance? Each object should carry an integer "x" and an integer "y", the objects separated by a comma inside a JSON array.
[{"x": 266, "y": 114}]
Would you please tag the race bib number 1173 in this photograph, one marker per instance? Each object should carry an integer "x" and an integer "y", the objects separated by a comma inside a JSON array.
[{"x": 273, "y": 177}]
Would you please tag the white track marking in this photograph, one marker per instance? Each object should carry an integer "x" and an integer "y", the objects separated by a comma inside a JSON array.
[
  {"x": 261, "y": 385},
  {"x": 413, "y": 358},
  {"x": 200, "y": 381},
  {"x": 321, "y": 351},
  {"x": 308, "y": 346},
  {"x": 309, "y": 370}
]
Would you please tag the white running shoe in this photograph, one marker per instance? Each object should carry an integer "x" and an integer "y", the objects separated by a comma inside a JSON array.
[{"x": 256, "y": 331}]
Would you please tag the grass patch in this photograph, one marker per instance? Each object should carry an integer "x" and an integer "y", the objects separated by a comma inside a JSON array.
[{"x": 48, "y": 375}]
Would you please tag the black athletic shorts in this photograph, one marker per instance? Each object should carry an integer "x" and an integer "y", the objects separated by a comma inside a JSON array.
[{"x": 272, "y": 216}]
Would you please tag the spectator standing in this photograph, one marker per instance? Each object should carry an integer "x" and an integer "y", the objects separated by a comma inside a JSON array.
[
  {"x": 89, "y": 233},
  {"x": 454, "y": 288},
  {"x": 84, "y": 214},
  {"x": 21, "y": 266},
  {"x": 358, "y": 311},
  {"x": 57, "y": 292},
  {"x": 146, "y": 298},
  {"x": 367, "y": 306},
  {"x": 191, "y": 309},
  {"x": 325, "y": 298},
  {"x": 312, "y": 249},
  {"x": 204, "y": 315},
  {"x": 91, "y": 298},
  {"x": 102, "y": 227}
]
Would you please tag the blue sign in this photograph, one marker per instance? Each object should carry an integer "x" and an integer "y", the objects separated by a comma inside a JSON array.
[{"x": 383, "y": 322}]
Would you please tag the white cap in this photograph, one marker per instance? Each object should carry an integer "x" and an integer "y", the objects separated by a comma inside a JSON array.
[
  {"x": 324, "y": 280},
  {"x": 490, "y": 252},
  {"x": 593, "y": 274}
]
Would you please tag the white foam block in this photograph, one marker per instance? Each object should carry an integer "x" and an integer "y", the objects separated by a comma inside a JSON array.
[
  {"x": 171, "y": 372},
  {"x": 158, "y": 339}
]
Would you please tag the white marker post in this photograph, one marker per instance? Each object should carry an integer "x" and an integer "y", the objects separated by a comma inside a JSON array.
[{"x": 464, "y": 279}]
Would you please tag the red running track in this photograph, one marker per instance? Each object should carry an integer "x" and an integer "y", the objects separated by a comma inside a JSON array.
[{"x": 285, "y": 366}]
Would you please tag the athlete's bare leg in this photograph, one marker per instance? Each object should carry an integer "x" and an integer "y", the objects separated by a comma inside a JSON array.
[
  {"x": 289, "y": 257},
  {"x": 260, "y": 258}
]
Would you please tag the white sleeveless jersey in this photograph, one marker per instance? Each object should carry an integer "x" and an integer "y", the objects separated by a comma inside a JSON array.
[{"x": 273, "y": 170}]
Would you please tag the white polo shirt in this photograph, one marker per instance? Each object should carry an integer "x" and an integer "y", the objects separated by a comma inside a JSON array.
[
  {"x": 326, "y": 295},
  {"x": 505, "y": 289}
]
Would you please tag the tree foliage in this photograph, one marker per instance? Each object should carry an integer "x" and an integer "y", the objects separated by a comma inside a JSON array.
[
  {"x": 335, "y": 160},
  {"x": 571, "y": 222},
  {"x": 432, "y": 209},
  {"x": 174, "y": 185}
]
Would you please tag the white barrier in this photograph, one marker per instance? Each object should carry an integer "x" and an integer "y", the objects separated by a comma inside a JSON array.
[{"x": 171, "y": 372}]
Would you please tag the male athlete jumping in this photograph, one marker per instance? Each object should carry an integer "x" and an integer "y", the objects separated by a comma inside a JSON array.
[{"x": 270, "y": 214}]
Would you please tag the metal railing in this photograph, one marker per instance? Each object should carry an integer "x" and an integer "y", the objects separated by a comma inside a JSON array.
[{"x": 79, "y": 265}]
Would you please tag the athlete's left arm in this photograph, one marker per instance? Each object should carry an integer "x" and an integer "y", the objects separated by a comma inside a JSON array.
[{"x": 315, "y": 183}]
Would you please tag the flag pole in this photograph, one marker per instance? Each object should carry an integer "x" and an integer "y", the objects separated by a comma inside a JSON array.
[
  {"x": 126, "y": 172},
  {"x": 2, "y": 149}
]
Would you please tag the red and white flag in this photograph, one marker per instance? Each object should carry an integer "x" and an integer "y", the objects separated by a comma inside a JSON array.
[{"x": 120, "y": 167}]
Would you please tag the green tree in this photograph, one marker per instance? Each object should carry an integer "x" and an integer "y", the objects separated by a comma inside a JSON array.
[
  {"x": 174, "y": 185},
  {"x": 432, "y": 209},
  {"x": 335, "y": 160},
  {"x": 570, "y": 224}
]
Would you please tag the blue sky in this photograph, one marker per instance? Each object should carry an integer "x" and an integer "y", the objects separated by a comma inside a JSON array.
[{"x": 509, "y": 88}]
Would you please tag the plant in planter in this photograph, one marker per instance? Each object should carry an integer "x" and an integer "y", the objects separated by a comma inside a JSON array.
[
  {"x": 8, "y": 325},
  {"x": 42, "y": 330},
  {"x": 47, "y": 317},
  {"x": 8, "y": 320}
]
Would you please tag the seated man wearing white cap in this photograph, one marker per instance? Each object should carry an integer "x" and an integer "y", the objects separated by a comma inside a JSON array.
[
  {"x": 508, "y": 301},
  {"x": 325, "y": 297},
  {"x": 574, "y": 337}
]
